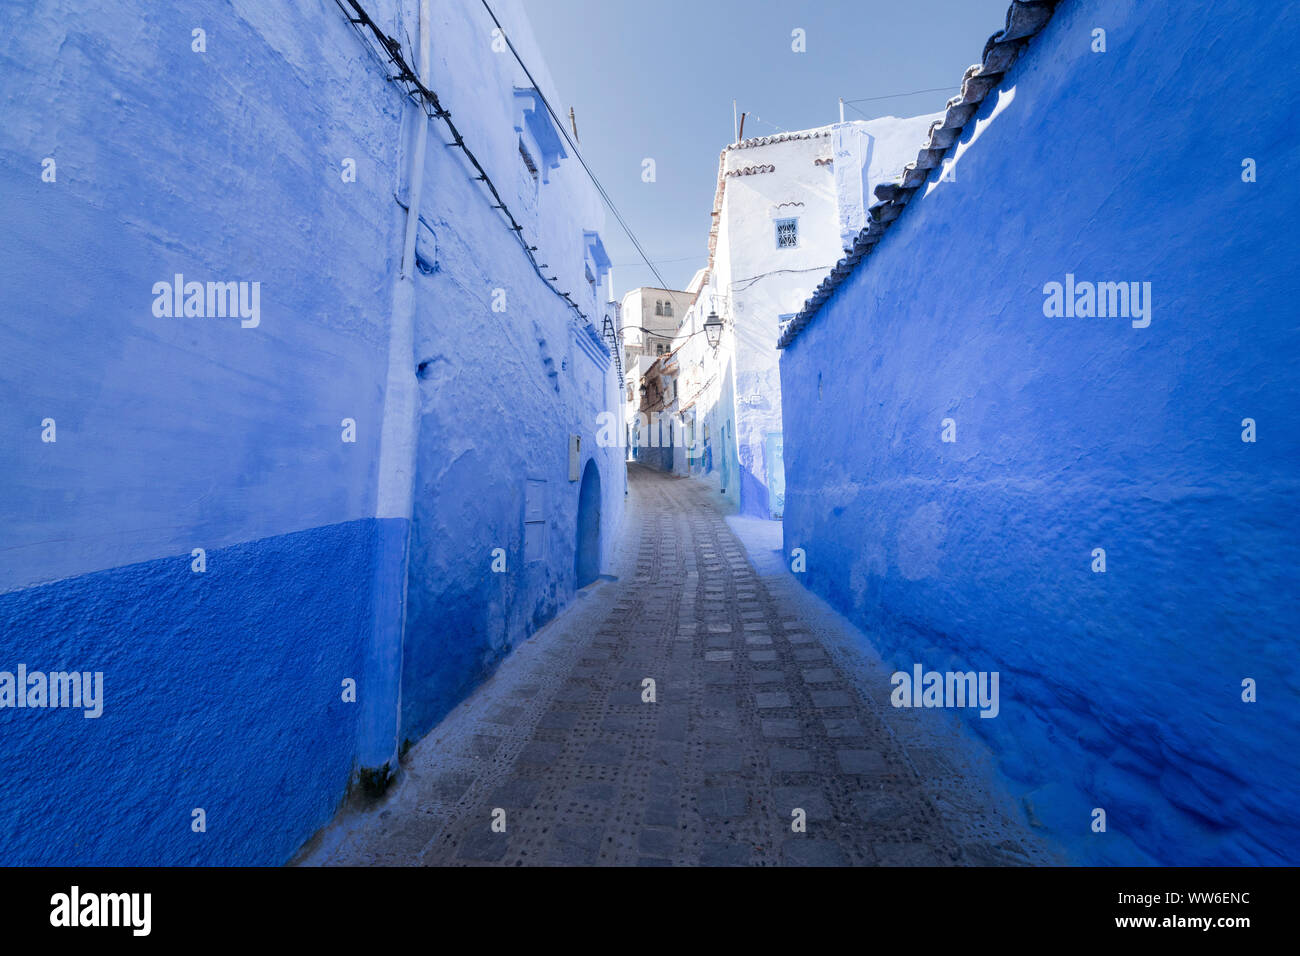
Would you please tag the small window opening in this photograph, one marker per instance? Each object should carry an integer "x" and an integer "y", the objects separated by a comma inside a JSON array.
[{"x": 787, "y": 233}]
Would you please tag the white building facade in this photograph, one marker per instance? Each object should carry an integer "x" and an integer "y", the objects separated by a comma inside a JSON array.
[
  {"x": 785, "y": 208},
  {"x": 650, "y": 318}
]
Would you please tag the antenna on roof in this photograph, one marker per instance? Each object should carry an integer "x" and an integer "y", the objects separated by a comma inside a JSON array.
[{"x": 841, "y": 109}]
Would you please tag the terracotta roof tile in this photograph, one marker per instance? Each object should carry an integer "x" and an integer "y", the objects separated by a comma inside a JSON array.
[{"x": 1025, "y": 18}]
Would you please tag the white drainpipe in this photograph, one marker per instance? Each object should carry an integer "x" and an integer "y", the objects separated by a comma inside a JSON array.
[
  {"x": 401, "y": 394},
  {"x": 416, "y": 179}
]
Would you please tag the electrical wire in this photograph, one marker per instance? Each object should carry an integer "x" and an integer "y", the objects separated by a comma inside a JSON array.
[
  {"x": 659, "y": 335},
  {"x": 621, "y": 265},
  {"x": 890, "y": 96},
  {"x": 750, "y": 280},
  {"x": 779, "y": 129},
  {"x": 432, "y": 107},
  {"x": 568, "y": 139},
  {"x": 856, "y": 110}
]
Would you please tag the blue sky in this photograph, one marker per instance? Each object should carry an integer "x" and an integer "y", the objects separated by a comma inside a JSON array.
[{"x": 656, "y": 79}]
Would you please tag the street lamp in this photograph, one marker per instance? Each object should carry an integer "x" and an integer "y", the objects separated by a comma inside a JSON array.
[{"x": 713, "y": 329}]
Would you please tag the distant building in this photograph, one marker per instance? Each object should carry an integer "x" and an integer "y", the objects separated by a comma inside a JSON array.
[
  {"x": 783, "y": 207},
  {"x": 658, "y": 432},
  {"x": 649, "y": 319}
]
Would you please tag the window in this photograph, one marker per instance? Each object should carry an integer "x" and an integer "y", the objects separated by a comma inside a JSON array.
[
  {"x": 539, "y": 138},
  {"x": 659, "y": 308},
  {"x": 787, "y": 233},
  {"x": 668, "y": 309},
  {"x": 659, "y": 349}
]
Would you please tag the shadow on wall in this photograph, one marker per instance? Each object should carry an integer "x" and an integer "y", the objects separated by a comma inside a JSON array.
[{"x": 1081, "y": 502}]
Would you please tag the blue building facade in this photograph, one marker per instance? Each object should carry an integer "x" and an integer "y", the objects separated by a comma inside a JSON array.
[
  {"x": 290, "y": 493},
  {"x": 1041, "y": 423}
]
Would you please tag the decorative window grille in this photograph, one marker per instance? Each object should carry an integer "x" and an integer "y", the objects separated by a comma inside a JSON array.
[{"x": 787, "y": 233}]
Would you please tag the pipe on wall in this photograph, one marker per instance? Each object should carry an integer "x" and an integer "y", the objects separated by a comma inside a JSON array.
[{"x": 378, "y": 746}]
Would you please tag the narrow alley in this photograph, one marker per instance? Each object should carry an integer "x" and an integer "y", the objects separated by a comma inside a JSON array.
[
  {"x": 566, "y": 433},
  {"x": 762, "y": 707}
]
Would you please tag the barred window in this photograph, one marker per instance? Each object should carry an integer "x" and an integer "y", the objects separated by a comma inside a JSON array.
[{"x": 787, "y": 233}]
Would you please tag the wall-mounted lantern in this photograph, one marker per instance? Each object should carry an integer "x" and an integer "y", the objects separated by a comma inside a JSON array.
[{"x": 713, "y": 329}]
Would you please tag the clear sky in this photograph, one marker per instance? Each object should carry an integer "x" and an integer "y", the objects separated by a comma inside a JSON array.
[{"x": 656, "y": 79}]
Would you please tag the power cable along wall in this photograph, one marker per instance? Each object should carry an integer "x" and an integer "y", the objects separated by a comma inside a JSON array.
[
  {"x": 429, "y": 102},
  {"x": 389, "y": 53},
  {"x": 492, "y": 385}
]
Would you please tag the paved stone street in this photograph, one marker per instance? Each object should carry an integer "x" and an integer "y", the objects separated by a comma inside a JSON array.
[{"x": 765, "y": 704}]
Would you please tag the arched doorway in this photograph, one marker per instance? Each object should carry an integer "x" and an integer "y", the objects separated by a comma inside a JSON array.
[{"x": 586, "y": 562}]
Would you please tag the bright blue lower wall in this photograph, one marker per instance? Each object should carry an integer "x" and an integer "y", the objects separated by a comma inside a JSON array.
[
  {"x": 220, "y": 692},
  {"x": 1119, "y": 690},
  {"x": 223, "y": 164}
]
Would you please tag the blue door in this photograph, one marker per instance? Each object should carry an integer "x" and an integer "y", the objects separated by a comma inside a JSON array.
[{"x": 586, "y": 560}]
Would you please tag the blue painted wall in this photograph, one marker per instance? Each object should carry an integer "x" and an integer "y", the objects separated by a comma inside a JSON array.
[
  {"x": 506, "y": 377},
  {"x": 220, "y": 692},
  {"x": 223, "y": 690},
  {"x": 1119, "y": 690},
  {"x": 225, "y": 165}
]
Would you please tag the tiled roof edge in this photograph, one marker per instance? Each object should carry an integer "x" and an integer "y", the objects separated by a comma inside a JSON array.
[
  {"x": 752, "y": 170},
  {"x": 1025, "y": 18},
  {"x": 817, "y": 133}
]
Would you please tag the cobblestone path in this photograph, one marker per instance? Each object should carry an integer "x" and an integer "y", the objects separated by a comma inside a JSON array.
[{"x": 755, "y": 723}]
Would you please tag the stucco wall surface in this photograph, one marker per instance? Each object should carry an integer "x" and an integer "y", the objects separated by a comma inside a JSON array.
[
  {"x": 1120, "y": 690},
  {"x": 223, "y": 689}
]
